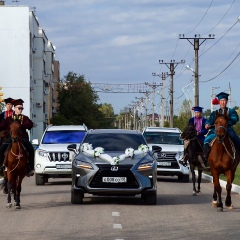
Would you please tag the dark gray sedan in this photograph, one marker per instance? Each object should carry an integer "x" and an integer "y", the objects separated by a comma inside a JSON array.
[{"x": 114, "y": 162}]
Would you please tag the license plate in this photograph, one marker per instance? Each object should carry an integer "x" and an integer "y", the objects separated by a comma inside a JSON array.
[
  {"x": 114, "y": 179},
  {"x": 164, "y": 163},
  {"x": 63, "y": 166}
]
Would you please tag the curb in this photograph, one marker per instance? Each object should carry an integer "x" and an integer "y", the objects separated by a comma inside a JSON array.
[{"x": 235, "y": 188}]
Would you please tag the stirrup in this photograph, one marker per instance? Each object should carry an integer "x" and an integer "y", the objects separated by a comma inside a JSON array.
[{"x": 30, "y": 173}]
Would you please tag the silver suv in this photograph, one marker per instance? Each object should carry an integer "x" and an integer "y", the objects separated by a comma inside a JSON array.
[
  {"x": 172, "y": 151},
  {"x": 52, "y": 158}
]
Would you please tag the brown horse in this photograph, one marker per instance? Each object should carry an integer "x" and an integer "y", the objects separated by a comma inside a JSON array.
[
  {"x": 222, "y": 160},
  {"x": 194, "y": 153},
  {"x": 16, "y": 165}
]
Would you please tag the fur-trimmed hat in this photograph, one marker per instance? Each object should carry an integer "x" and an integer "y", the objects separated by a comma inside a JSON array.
[{"x": 17, "y": 102}]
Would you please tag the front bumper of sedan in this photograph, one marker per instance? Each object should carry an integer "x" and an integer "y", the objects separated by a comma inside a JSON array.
[{"x": 117, "y": 180}]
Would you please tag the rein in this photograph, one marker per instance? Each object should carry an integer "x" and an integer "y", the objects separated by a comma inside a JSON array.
[
  {"x": 222, "y": 141},
  {"x": 18, "y": 156}
]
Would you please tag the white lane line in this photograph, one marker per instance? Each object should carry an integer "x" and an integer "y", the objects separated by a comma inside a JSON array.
[
  {"x": 117, "y": 225},
  {"x": 115, "y": 214}
]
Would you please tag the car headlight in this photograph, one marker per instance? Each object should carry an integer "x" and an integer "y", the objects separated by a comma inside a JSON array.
[
  {"x": 145, "y": 166},
  {"x": 42, "y": 153},
  {"x": 84, "y": 165},
  {"x": 180, "y": 155}
]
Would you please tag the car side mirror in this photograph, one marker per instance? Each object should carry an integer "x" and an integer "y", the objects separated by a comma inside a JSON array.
[
  {"x": 73, "y": 148},
  {"x": 156, "y": 149}
]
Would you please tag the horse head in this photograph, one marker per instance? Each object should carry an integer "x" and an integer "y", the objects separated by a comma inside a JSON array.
[
  {"x": 189, "y": 132},
  {"x": 221, "y": 121},
  {"x": 15, "y": 131}
]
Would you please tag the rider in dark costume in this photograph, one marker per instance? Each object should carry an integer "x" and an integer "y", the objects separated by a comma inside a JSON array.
[{"x": 26, "y": 124}]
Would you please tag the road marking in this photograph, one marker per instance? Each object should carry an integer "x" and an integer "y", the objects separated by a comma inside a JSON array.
[
  {"x": 117, "y": 225},
  {"x": 115, "y": 214}
]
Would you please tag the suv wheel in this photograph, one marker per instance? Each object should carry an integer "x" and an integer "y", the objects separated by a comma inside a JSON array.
[
  {"x": 183, "y": 178},
  {"x": 39, "y": 179},
  {"x": 76, "y": 198},
  {"x": 150, "y": 198}
]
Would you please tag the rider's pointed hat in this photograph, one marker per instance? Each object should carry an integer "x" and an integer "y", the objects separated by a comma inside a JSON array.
[
  {"x": 222, "y": 95},
  {"x": 197, "y": 109},
  {"x": 17, "y": 102},
  {"x": 8, "y": 100}
]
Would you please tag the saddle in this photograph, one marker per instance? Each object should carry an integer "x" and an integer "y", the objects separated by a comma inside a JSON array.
[{"x": 234, "y": 148}]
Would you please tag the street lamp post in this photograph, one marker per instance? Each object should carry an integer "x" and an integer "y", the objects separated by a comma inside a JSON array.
[{"x": 196, "y": 84}]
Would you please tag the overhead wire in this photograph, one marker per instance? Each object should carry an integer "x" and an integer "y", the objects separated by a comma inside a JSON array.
[
  {"x": 219, "y": 38},
  {"x": 201, "y": 18},
  {"x": 221, "y": 18},
  {"x": 223, "y": 69}
]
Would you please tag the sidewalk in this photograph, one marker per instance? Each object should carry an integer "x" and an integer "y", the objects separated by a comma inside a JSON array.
[{"x": 235, "y": 188}]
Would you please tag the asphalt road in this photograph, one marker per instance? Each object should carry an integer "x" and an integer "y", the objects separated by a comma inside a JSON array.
[{"x": 47, "y": 213}]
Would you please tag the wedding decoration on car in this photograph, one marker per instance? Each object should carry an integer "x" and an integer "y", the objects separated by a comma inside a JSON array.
[{"x": 87, "y": 148}]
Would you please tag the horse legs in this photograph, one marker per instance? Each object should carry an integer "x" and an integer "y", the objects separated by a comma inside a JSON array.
[
  {"x": 228, "y": 201},
  {"x": 9, "y": 203},
  {"x": 18, "y": 191},
  {"x": 199, "y": 180},
  {"x": 217, "y": 193},
  {"x": 193, "y": 180}
]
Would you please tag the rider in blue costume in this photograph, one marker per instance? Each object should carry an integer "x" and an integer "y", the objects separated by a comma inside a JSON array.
[
  {"x": 233, "y": 119},
  {"x": 198, "y": 121}
]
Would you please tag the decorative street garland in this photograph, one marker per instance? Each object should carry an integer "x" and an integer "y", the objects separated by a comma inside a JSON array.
[{"x": 87, "y": 148}]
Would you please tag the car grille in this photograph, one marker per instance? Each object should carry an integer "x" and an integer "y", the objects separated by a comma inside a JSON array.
[
  {"x": 105, "y": 171},
  {"x": 167, "y": 157},
  {"x": 59, "y": 157}
]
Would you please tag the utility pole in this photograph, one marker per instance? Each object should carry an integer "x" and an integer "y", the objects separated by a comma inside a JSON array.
[
  {"x": 230, "y": 96},
  {"x": 171, "y": 65},
  {"x": 196, "y": 46},
  {"x": 163, "y": 76},
  {"x": 153, "y": 86},
  {"x": 212, "y": 97}
]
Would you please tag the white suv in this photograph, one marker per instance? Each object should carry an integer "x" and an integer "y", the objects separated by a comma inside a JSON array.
[
  {"x": 52, "y": 158},
  {"x": 172, "y": 151}
]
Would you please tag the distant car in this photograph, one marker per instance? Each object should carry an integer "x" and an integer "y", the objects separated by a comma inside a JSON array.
[
  {"x": 172, "y": 151},
  {"x": 52, "y": 158},
  {"x": 114, "y": 162}
]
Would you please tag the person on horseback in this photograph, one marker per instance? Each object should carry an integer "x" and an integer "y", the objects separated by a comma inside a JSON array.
[
  {"x": 26, "y": 123},
  {"x": 9, "y": 111},
  {"x": 3, "y": 115},
  {"x": 198, "y": 121},
  {"x": 233, "y": 119}
]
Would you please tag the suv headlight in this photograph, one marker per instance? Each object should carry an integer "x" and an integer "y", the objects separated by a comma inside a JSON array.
[
  {"x": 145, "y": 166},
  {"x": 42, "y": 153},
  {"x": 180, "y": 155}
]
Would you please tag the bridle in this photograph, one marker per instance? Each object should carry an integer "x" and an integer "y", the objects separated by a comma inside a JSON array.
[
  {"x": 16, "y": 140},
  {"x": 221, "y": 138}
]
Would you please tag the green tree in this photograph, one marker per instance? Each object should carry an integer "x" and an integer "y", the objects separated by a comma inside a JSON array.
[
  {"x": 109, "y": 117},
  {"x": 77, "y": 102},
  {"x": 184, "y": 115}
]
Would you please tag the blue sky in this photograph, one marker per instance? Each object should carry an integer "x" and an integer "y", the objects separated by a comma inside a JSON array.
[{"x": 122, "y": 41}]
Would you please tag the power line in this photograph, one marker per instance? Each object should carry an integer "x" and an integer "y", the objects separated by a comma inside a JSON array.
[
  {"x": 221, "y": 18},
  {"x": 201, "y": 18},
  {"x": 220, "y": 38},
  {"x": 223, "y": 69}
]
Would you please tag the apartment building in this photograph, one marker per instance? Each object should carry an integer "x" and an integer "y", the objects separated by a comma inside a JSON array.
[{"x": 28, "y": 68}]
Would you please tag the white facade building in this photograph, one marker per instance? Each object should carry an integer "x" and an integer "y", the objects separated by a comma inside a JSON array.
[{"x": 27, "y": 65}]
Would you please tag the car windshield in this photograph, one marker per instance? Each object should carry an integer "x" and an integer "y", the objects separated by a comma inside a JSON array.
[
  {"x": 66, "y": 136},
  {"x": 115, "y": 141},
  {"x": 163, "y": 138}
]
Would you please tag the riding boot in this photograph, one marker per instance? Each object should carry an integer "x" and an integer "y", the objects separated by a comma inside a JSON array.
[
  {"x": 206, "y": 151},
  {"x": 30, "y": 164}
]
